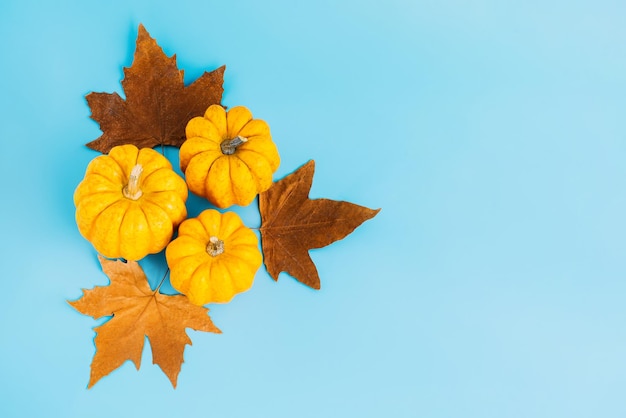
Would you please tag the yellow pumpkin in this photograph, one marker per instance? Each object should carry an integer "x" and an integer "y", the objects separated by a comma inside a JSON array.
[
  {"x": 228, "y": 157},
  {"x": 129, "y": 202},
  {"x": 214, "y": 257}
]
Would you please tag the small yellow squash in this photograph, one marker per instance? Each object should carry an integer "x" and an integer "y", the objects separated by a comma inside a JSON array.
[
  {"x": 129, "y": 202},
  {"x": 228, "y": 157},
  {"x": 214, "y": 257}
]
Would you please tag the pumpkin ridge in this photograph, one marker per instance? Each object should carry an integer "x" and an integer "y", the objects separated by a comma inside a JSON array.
[
  {"x": 243, "y": 233},
  {"x": 214, "y": 159},
  {"x": 121, "y": 202},
  {"x": 206, "y": 179},
  {"x": 171, "y": 176},
  {"x": 153, "y": 235},
  {"x": 239, "y": 258},
  {"x": 218, "y": 287},
  {"x": 204, "y": 182},
  {"x": 184, "y": 241},
  {"x": 196, "y": 254},
  {"x": 217, "y": 129},
  {"x": 216, "y": 114},
  {"x": 151, "y": 173},
  {"x": 190, "y": 279},
  {"x": 119, "y": 230},
  {"x": 148, "y": 249},
  {"x": 201, "y": 230},
  {"x": 151, "y": 160},
  {"x": 155, "y": 197},
  {"x": 235, "y": 184},
  {"x": 259, "y": 127},
  {"x": 116, "y": 192},
  {"x": 95, "y": 219},
  {"x": 257, "y": 180},
  {"x": 108, "y": 179},
  {"x": 251, "y": 149},
  {"x": 215, "y": 139},
  {"x": 230, "y": 176},
  {"x": 226, "y": 230},
  {"x": 103, "y": 163},
  {"x": 206, "y": 231},
  {"x": 264, "y": 157},
  {"x": 204, "y": 144},
  {"x": 265, "y": 147},
  {"x": 124, "y": 162},
  {"x": 235, "y": 278},
  {"x": 156, "y": 194},
  {"x": 236, "y": 119},
  {"x": 186, "y": 282}
]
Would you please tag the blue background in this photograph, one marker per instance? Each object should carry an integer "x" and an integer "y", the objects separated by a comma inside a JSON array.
[{"x": 491, "y": 133}]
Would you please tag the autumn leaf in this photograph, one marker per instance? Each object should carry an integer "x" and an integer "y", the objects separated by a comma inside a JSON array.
[
  {"x": 292, "y": 224},
  {"x": 138, "y": 312},
  {"x": 158, "y": 105}
]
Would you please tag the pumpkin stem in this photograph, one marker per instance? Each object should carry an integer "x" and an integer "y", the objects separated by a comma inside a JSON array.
[
  {"x": 215, "y": 246},
  {"x": 229, "y": 146},
  {"x": 132, "y": 190}
]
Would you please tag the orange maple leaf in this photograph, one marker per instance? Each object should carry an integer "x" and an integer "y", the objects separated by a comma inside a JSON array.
[
  {"x": 138, "y": 312},
  {"x": 158, "y": 105},
  {"x": 292, "y": 224}
]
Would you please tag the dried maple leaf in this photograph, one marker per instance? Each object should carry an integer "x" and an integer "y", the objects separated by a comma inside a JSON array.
[
  {"x": 291, "y": 224},
  {"x": 138, "y": 312},
  {"x": 158, "y": 105}
]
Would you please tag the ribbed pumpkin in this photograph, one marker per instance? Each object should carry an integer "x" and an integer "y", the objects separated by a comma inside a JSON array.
[
  {"x": 214, "y": 257},
  {"x": 228, "y": 157},
  {"x": 129, "y": 202}
]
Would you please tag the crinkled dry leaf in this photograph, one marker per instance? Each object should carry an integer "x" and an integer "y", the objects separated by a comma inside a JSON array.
[
  {"x": 138, "y": 312},
  {"x": 291, "y": 224},
  {"x": 158, "y": 105}
]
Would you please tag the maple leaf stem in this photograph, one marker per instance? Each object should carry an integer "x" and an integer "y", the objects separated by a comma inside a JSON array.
[
  {"x": 162, "y": 281},
  {"x": 132, "y": 190}
]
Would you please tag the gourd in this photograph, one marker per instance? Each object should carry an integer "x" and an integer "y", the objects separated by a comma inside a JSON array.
[
  {"x": 228, "y": 157},
  {"x": 213, "y": 258},
  {"x": 129, "y": 202}
]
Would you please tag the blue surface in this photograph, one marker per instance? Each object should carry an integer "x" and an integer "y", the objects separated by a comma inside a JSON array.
[{"x": 493, "y": 136}]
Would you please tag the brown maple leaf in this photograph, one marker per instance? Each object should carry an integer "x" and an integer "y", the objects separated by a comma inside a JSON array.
[
  {"x": 138, "y": 312},
  {"x": 292, "y": 224},
  {"x": 158, "y": 105}
]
